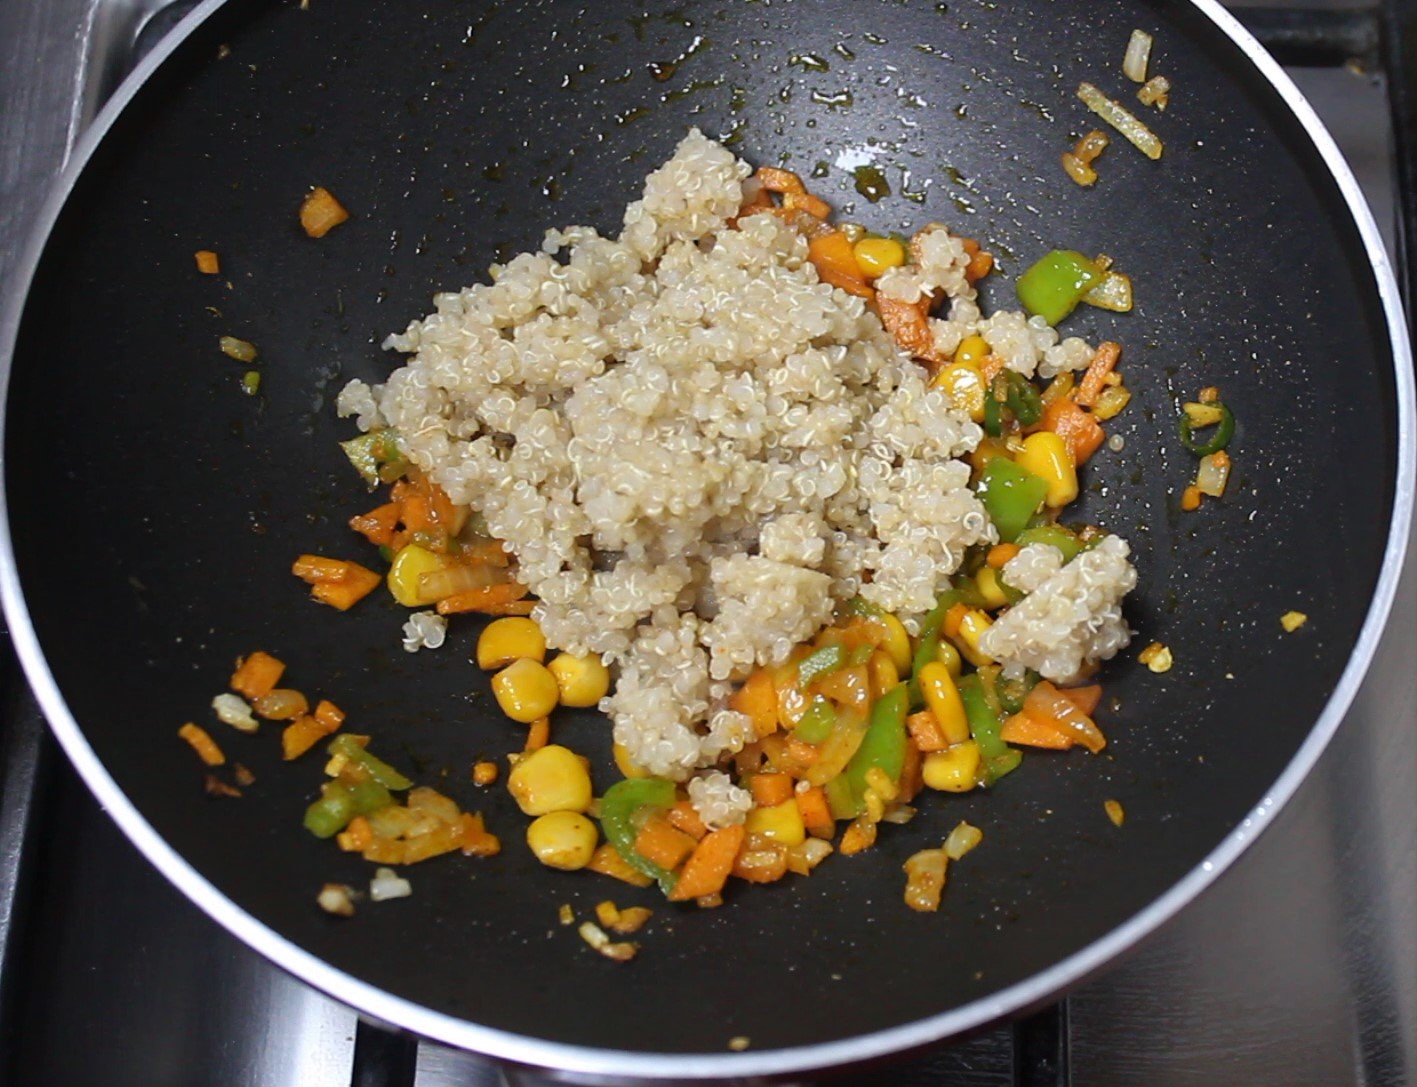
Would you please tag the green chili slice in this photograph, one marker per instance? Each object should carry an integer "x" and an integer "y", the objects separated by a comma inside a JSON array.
[
  {"x": 1219, "y": 439},
  {"x": 619, "y": 807}
]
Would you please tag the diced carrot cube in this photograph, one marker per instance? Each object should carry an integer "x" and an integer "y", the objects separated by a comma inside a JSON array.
[
  {"x": 257, "y": 675},
  {"x": 378, "y": 525},
  {"x": 321, "y": 212},
  {"x": 607, "y": 861},
  {"x": 770, "y": 790},
  {"x": 208, "y": 263},
  {"x": 709, "y": 865},
  {"x": 1076, "y": 426},
  {"x": 925, "y": 730},
  {"x": 758, "y": 699},
  {"x": 683, "y": 816},
  {"x": 816, "y": 812},
  {"x": 660, "y": 841},
  {"x": 1030, "y": 732}
]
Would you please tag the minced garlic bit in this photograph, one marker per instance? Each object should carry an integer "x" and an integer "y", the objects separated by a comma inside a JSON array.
[
  {"x": 1114, "y": 812},
  {"x": 337, "y": 898},
  {"x": 1292, "y": 621},
  {"x": 594, "y": 935},
  {"x": 565, "y": 914},
  {"x": 1157, "y": 657},
  {"x": 739, "y": 1042}
]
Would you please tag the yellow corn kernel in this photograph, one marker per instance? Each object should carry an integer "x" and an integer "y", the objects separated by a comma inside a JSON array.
[
  {"x": 942, "y": 696},
  {"x": 883, "y": 673},
  {"x": 512, "y": 638},
  {"x": 971, "y": 629},
  {"x": 971, "y": 351},
  {"x": 965, "y": 386},
  {"x": 782, "y": 823},
  {"x": 987, "y": 582},
  {"x": 525, "y": 690},
  {"x": 1046, "y": 455},
  {"x": 896, "y": 641},
  {"x": 948, "y": 655},
  {"x": 876, "y": 256},
  {"x": 563, "y": 839},
  {"x": 627, "y": 766},
  {"x": 953, "y": 770},
  {"x": 583, "y": 681},
  {"x": 411, "y": 563},
  {"x": 551, "y": 778}
]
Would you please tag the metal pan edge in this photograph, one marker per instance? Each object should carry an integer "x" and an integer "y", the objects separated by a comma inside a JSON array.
[{"x": 589, "y": 1064}]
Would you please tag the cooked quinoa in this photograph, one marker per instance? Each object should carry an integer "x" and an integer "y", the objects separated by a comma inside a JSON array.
[{"x": 696, "y": 450}]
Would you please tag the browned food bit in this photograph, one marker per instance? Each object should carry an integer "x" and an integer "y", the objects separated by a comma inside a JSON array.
[
  {"x": 1114, "y": 812},
  {"x": 242, "y": 775},
  {"x": 208, "y": 263},
  {"x": 202, "y": 743},
  {"x": 595, "y": 936},
  {"x": 215, "y": 787},
  {"x": 484, "y": 772},
  {"x": 321, "y": 212}
]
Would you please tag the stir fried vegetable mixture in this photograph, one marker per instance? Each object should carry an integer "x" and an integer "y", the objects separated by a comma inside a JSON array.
[{"x": 850, "y": 729}]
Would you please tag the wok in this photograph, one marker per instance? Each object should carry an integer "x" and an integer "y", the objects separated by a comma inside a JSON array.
[{"x": 154, "y": 510}]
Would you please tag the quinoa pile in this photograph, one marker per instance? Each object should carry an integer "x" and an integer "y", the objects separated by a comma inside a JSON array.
[{"x": 696, "y": 450}]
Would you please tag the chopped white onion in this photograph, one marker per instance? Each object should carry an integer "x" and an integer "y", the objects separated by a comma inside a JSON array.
[
  {"x": 336, "y": 898},
  {"x": 1141, "y": 137},
  {"x": 1113, "y": 293},
  {"x": 961, "y": 840},
  {"x": 232, "y": 710},
  {"x": 388, "y": 884},
  {"x": 1213, "y": 474},
  {"x": 1137, "y": 57}
]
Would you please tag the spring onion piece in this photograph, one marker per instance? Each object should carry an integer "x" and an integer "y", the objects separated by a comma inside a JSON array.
[
  {"x": 1137, "y": 57},
  {"x": 1116, "y": 115},
  {"x": 1053, "y": 286},
  {"x": 1224, "y": 429}
]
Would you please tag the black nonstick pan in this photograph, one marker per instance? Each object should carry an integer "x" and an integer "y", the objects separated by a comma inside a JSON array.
[{"x": 154, "y": 508}]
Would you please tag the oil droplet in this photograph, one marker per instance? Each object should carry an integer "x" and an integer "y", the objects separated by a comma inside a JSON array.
[
  {"x": 874, "y": 39},
  {"x": 493, "y": 172},
  {"x": 841, "y": 50},
  {"x": 663, "y": 71},
  {"x": 931, "y": 50},
  {"x": 631, "y": 115},
  {"x": 737, "y": 99},
  {"x": 871, "y": 183},
  {"x": 821, "y": 169},
  {"x": 552, "y": 189},
  {"x": 840, "y": 100},
  {"x": 809, "y": 62}
]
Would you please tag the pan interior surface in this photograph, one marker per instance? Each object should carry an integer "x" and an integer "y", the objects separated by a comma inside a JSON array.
[{"x": 155, "y": 509}]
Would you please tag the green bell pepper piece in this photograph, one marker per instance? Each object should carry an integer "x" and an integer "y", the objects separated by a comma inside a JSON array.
[
  {"x": 820, "y": 662},
  {"x": 1064, "y": 539},
  {"x": 1011, "y": 495},
  {"x": 997, "y": 757},
  {"x": 377, "y": 456},
  {"x": 1054, "y": 286},
  {"x": 883, "y": 748},
  {"x": 378, "y": 769},
  {"x": 618, "y": 807},
  {"x": 816, "y": 724}
]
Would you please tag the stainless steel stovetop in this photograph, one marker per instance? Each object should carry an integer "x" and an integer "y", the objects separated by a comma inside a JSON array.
[{"x": 1298, "y": 967}]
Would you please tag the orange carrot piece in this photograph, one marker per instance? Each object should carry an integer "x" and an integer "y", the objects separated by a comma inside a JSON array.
[
  {"x": 358, "y": 583},
  {"x": 758, "y": 699},
  {"x": 814, "y": 206},
  {"x": 357, "y": 837},
  {"x": 776, "y": 179},
  {"x": 835, "y": 260},
  {"x": 770, "y": 790},
  {"x": 990, "y": 367},
  {"x": 607, "y": 861},
  {"x": 1084, "y": 698},
  {"x": 1049, "y": 706},
  {"x": 481, "y": 599},
  {"x": 477, "y": 841},
  {"x": 511, "y": 607},
  {"x": 486, "y": 553},
  {"x": 538, "y": 734},
  {"x": 321, "y": 212},
  {"x": 328, "y": 714},
  {"x": 202, "y": 743},
  {"x": 1000, "y": 554},
  {"x": 980, "y": 265},
  {"x": 954, "y": 619},
  {"x": 660, "y": 841},
  {"x": 257, "y": 674},
  {"x": 912, "y": 775},
  {"x": 1104, "y": 361},
  {"x": 1191, "y": 498},
  {"x": 208, "y": 263},
  {"x": 378, "y": 525},
  {"x": 1025, "y": 730},
  {"x": 683, "y": 816},
  {"x": 906, "y": 322},
  {"x": 766, "y": 864},
  {"x": 925, "y": 730},
  {"x": 1076, "y": 426},
  {"x": 301, "y": 735},
  {"x": 816, "y": 813},
  {"x": 707, "y": 869},
  {"x": 317, "y": 568}
]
